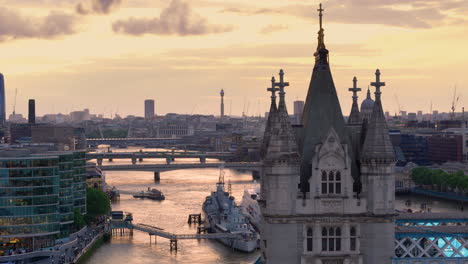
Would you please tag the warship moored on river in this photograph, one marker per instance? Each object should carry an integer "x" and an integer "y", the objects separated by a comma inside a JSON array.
[{"x": 222, "y": 215}]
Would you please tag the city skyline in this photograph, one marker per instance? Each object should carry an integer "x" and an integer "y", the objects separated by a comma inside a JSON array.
[{"x": 189, "y": 63}]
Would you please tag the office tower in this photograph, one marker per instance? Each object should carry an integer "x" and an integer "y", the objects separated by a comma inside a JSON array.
[
  {"x": 419, "y": 115},
  {"x": 2, "y": 100},
  {"x": 149, "y": 109},
  {"x": 32, "y": 112}
]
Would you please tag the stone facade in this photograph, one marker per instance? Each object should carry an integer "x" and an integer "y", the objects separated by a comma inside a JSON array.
[{"x": 327, "y": 188}]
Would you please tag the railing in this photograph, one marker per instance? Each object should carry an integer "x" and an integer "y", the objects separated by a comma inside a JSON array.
[
  {"x": 124, "y": 155},
  {"x": 443, "y": 195},
  {"x": 159, "y": 232},
  {"x": 24, "y": 256},
  {"x": 429, "y": 261},
  {"x": 40, "y": 253}
]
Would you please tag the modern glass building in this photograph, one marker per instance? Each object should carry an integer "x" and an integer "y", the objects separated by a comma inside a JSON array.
[
  {"x": 2, "y": 100},
  {"x": 72, "y": 191},
  {"x": 29, "y": 201},
  {"x": 79, "y": 180},
  {"x": 38, "y": 196}
]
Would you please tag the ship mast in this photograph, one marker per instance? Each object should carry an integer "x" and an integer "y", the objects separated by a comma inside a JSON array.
[{"x": 221, "y": 175}]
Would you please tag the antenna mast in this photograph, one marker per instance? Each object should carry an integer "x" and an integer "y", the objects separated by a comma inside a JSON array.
[
  {"x": 454, "y": 101},
  {"x": 14, "y": 105},
  {"x": 221, "y": 174}
]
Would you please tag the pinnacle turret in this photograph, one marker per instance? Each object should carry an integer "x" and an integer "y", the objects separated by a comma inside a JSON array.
[
  {"x": 377, "y": 145},
  {"x": 281, "y": 143},
  {"x": 271, "y": 118}
]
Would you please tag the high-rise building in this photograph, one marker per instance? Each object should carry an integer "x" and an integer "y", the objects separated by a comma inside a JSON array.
[
  {"x": 298, "y": 109},
  {"x": 80, "y": 116},
  {"x": 149, "y": 109},
  {"x": 39, "y": 193},
  {"x": 32, "y": 111},
  {"x": 419, "y": 115},
  {"x": 403, "y": 115},
  {"x": 222, "y": 103},
  {"x": 2, "y": 100}
]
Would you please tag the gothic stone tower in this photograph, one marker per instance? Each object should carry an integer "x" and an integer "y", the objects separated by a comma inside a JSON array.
[
  {"x": 322, "y": 202},
  {"x": 280, "y": 175}
]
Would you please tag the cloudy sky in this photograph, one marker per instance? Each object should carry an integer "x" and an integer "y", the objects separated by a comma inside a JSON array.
[{"x": 110, "y": 55}]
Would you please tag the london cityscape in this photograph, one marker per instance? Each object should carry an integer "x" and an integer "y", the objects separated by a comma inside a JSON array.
[{"x": 221, "y": 131}]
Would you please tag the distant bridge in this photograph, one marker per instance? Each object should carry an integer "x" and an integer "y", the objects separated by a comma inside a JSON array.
[
  {"x": 168, "y": 155},
  {"x": 133, "y": 141},
  {"x": 254, "y": 166}
]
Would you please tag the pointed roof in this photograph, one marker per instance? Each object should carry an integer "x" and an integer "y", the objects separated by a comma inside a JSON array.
[
  {"x": 354, "y": 116},
  {"x": 377, "y": 145},
  {"x": 281, "y": 145},
  {"x": 322, "y": 110}
]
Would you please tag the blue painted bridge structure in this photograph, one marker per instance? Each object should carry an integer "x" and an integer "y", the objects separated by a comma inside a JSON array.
[{"x": 431, "y": 238}]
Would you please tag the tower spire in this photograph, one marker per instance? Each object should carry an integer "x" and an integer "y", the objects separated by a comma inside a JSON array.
[
  {"x": 273, "y": 91},
  {"x": 377, "y": 84},
  {"x": 281, "y": 84},
  {"x": 321, "y": 43},
  {"x": 354, "y": 117},
  {"x": 321, "y": 55}
]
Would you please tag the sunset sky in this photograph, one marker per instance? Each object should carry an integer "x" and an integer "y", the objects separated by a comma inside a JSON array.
[{"x": 111, "y": 55}]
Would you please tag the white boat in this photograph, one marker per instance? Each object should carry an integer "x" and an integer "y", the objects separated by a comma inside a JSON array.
[
  {"x": 250, "y": 207},
  {"x": 222, "y": 215}
]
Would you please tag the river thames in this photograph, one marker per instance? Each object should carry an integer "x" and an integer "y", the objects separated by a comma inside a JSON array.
[{"x": 185, "y": 191}]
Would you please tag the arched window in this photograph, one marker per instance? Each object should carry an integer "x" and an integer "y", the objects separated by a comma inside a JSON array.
[
  {"x": 331, "y": 182},
  {"x": 324, "y": 182},
  {"x": 331, "y": 238},
  {"x": 324, "y": 238},
  {"x": 310, "y": 234},
  {"x": 338, "y": 183},
  {"x": 353, "y": 239}
]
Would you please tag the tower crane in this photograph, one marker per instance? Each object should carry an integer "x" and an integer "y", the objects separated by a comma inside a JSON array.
[
  {"x": 193, "y": 109},
  {"x": 248, "y": 106},
  {"x": 398, "y": 104},
  {"x": 243, "y": 109}
]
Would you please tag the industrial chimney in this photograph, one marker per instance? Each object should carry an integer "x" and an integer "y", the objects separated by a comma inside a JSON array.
[{"x": 32, "y": 111}]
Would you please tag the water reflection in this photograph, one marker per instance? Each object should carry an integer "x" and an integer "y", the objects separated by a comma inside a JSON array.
[{"x": 185, "y": 191}]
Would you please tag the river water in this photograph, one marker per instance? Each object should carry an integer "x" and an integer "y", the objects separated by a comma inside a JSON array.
[{"x": 185, "y": 191}]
